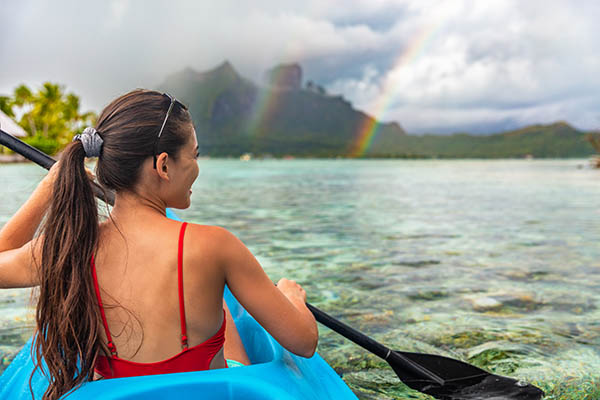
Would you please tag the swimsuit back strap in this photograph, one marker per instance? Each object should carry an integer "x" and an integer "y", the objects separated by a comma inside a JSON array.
[
  {"x": 111, "y": 345},
  {"x": 184, "y": 339}
]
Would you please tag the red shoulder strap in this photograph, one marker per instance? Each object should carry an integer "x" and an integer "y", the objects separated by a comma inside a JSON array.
[
  {"x": 184, "y": 339},
  {"x": 111, "y": 345}
]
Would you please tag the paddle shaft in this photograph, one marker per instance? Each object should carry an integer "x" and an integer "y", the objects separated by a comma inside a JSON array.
[
  {"x": 373, "y": 346},
  {"x": 44, "y": 160},
  {"x": 352, "y": 334}
]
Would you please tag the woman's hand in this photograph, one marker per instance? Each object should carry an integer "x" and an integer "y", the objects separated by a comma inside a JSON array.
[
  {"x": 281, "y": 309},
  {"x": 293, "y": 291},
  {"x": 50, "y": 178},
  {"x": 48, "y": 181}
]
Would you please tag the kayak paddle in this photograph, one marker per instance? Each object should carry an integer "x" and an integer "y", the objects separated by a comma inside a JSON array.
[
  {"x": 44, "y": 160},
  {"x": 441, "y": 377}
]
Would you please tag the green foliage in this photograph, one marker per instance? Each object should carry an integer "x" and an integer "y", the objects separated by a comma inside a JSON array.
[
  {"x": 5, "y": 106},
  {"x": 49, "y": 116},
  {"x": 539, "y": 141},
  {"x": 47, "y": 145}
]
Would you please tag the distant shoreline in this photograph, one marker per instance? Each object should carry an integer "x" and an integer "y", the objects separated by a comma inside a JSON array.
[
  {"x": 12, "y": 159},
  {"x": 17, "y": 159}
]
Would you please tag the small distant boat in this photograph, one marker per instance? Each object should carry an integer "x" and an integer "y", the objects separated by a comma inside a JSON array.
[{"x": 246, "y": 157}]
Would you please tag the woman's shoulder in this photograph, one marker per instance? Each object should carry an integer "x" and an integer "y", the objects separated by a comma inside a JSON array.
[
  {"x": 212, "y": 238},
  {"x": 207, "y": 232}
]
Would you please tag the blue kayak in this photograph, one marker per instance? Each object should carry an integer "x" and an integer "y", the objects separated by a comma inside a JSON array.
[{"x": 275, "y": 373}]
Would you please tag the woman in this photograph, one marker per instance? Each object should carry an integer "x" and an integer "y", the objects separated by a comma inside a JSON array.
[{"x": 138, "y": 293}]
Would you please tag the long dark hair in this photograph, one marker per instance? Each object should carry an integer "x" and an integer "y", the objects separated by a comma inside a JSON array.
[{"x": 67, "y": 314}]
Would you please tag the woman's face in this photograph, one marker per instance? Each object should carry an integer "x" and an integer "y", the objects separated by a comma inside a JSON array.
[{"x": 184, "y": 172}]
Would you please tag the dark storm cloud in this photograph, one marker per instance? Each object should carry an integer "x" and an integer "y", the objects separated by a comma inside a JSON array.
[{"x": 481, "y": 66}]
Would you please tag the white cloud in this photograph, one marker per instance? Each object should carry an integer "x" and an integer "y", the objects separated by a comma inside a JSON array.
[
  {"x": 118, "y": 9},
  {"x": 364, "y": 90},
  {"x": 481, "y": 63},
  {"x": 488, "y": 64}
]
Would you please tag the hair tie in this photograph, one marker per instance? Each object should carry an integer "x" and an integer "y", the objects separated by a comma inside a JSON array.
[{"x": 91, "y": 140}]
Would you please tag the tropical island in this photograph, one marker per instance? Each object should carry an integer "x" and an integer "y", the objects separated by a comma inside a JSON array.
[{"x": 283, "y": 117}]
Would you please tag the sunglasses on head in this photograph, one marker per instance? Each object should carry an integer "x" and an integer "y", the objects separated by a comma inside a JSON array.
[{"x": 173, "y": 101}]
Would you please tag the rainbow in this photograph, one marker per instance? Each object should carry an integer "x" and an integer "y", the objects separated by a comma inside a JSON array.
[
  {"x": 266, "y": 106},
  {"x": 368, "y": 129}
]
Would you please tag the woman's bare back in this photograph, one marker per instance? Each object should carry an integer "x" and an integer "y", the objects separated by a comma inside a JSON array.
[{"x": 137, "y": 275}]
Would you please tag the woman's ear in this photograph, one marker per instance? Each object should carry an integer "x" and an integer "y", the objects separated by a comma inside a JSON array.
[{"x": 162, "y": 166}]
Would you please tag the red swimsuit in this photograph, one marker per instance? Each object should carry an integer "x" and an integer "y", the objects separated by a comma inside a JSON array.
[{"x": 197, "y": 358}]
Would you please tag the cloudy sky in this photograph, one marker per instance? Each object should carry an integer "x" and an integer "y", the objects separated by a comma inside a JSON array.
[{"x": 433, "y": 66}]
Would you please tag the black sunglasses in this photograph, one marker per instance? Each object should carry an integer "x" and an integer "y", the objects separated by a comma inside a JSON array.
[{"x": 173, "y": 101}]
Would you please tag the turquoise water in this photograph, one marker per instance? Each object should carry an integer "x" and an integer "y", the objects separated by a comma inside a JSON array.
[{"x": 493, "y": 262}]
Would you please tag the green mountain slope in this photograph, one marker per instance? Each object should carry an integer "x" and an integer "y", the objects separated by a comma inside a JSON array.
[
  {"x": 540, "y": 141},
  {"x": 233, "y": 115}
]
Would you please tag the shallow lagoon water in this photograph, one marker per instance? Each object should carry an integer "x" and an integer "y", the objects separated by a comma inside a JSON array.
[{"x": 492, "y": 262}]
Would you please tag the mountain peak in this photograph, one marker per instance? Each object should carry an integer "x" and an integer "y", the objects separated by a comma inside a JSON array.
[
  {"x": 285, "y": 76},
  {"x": 189, "y": 71},
  {"x": 230, "y": 118},
  {"x": 186, "y": 75},
  {"x": 225, "y": 65},
  {"x": 225, "y": 68},
  {"x": 562, "y": 124}
]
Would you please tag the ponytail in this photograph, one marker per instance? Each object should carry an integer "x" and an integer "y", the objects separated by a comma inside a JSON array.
[{"x": 67, "y": 314}]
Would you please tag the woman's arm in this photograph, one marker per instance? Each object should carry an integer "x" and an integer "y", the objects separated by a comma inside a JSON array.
[
  {"x": 280, "y": 310},
  {"x": 16, "y": 248},
  {"x": 17, "y": 266},
  {"x": 21, "y": 228}
]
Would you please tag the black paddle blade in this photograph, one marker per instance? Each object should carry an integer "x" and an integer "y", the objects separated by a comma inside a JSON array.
[{"x": 462, "y": 381}]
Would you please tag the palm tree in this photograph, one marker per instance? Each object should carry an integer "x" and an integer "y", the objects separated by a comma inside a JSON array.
[
  {"x": 48, "y": 104},
  {"x": 50, "y": 116},
  {"x": 6, "y": 106},
  {"x": 23, "y": 99}
]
